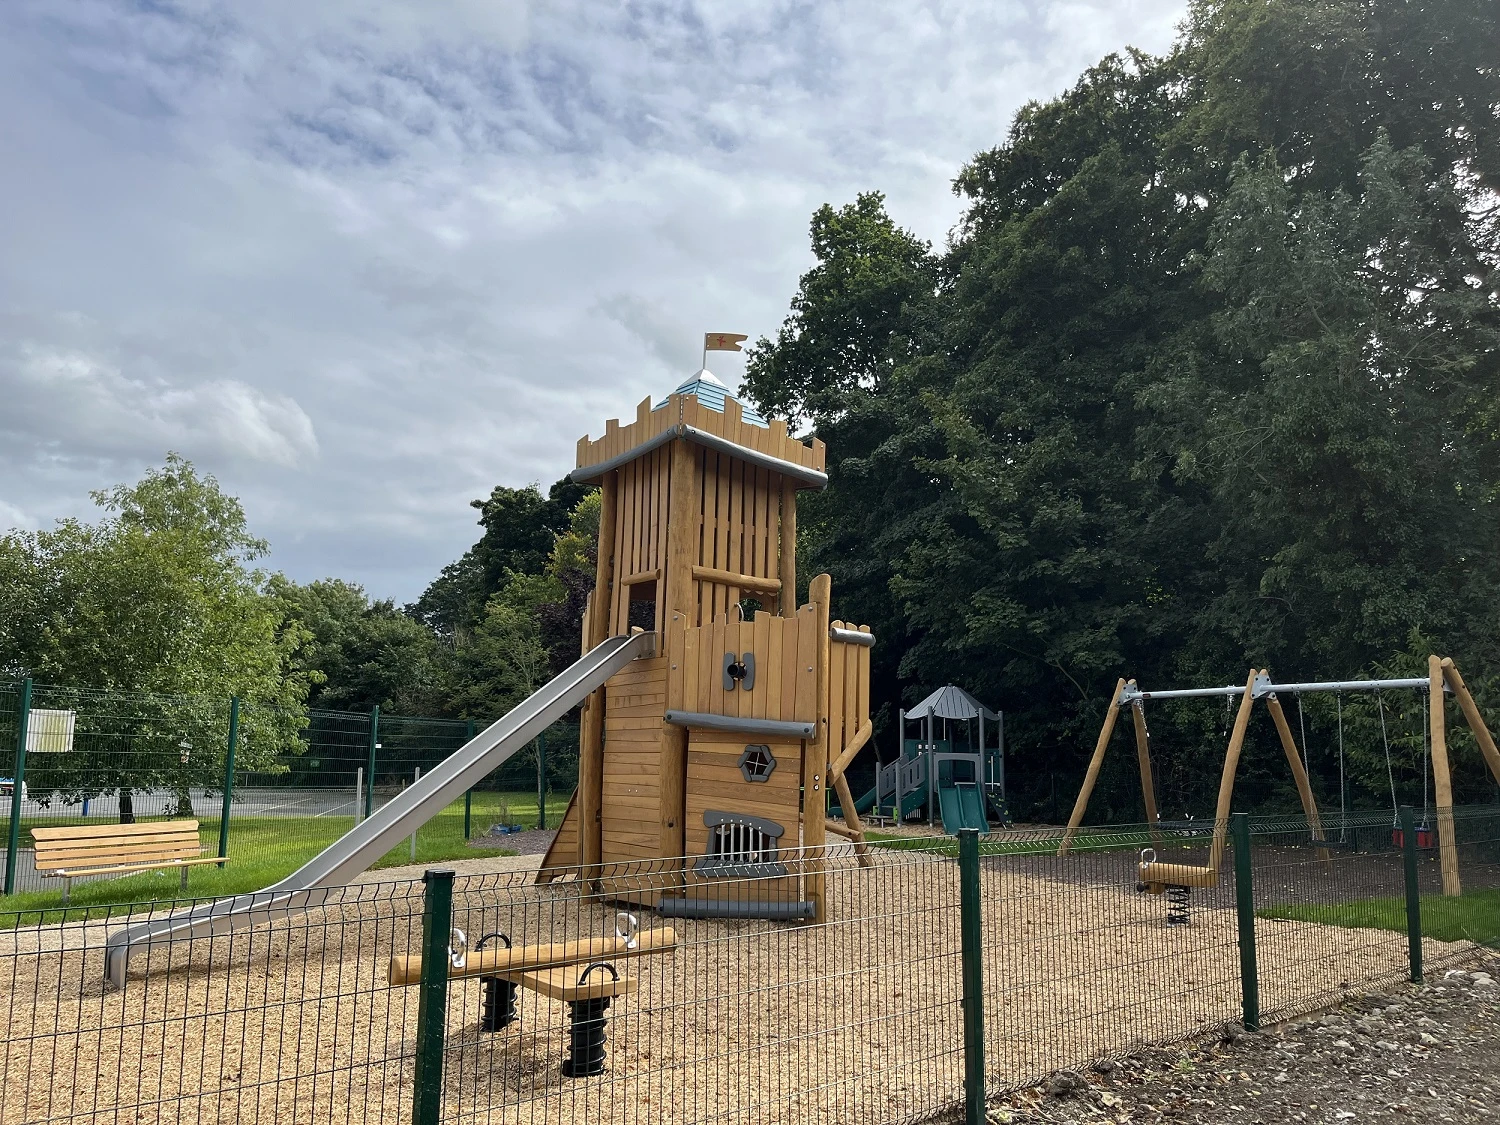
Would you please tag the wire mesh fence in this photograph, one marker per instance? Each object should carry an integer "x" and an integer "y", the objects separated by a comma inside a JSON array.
[
  {"x": 295, "y": 780},
  {"x": 613, "y": 993}
]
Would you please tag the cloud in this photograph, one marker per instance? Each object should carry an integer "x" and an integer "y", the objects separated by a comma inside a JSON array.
[{"x": 363, "y": 260}]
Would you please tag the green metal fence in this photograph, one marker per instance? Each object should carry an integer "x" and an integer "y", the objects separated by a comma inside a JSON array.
[
  {"x": 269, "y": 786},
  {"x": 944, "y": 974}
]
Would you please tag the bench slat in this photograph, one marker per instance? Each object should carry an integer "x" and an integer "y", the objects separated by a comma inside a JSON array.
[
  {"x": 86, "y": 831},
  {"x": 79, "y": 872},
  {"x": 63, "y": 857}
]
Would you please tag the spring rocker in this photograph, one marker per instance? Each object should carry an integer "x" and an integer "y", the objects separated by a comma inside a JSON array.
[
  {"x": 1176, "y": 880},
  {"x": 724, "y": 743},
  {"x": 558, "y": 971}
]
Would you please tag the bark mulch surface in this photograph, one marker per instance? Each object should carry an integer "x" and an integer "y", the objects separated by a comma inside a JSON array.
[{"x": 1418, "y": 1053}]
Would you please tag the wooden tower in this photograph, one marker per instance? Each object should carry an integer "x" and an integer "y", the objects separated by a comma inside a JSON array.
[{"x": 723, "y": 745}]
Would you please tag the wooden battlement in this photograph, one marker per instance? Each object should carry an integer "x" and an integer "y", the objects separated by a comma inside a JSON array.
[{"x": 771, "y": 440}]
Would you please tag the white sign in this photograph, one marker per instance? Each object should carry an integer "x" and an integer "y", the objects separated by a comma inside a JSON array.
[{"x": 50, "y": 732}]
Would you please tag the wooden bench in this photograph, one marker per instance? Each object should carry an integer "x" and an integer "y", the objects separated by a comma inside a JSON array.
[
  {"x": 76, "y": 850},
  {"x": 579, "y": 973}
]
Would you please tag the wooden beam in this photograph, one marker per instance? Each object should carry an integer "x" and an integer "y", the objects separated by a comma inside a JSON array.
[
  {"x": 787, "y": 543},
  {"x": 856, "y": 831},
  {"x": 1473, "y": 718},
  {"x": 743, "y": 581},
  {"x": 815, "y": 754},
  {"x": 1143, "y": 757},
  {"x": 1081, "y": 805},
  {"x": 1299, "y": 773},
  {"x": 641, "y": 577},
  {"x": 856, "y": 744},
  {"x": 1442, "y": 779},
  {"x": 604, "y": 567},
  {"x": 591, "y": 744},
  {"x": 1231, "y": 765}
]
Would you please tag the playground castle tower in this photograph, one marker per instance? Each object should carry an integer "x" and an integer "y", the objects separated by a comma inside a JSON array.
[{"x": 723, "y": 744}]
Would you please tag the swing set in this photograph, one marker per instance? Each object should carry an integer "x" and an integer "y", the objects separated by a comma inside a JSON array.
[{"x": 1175, "y": 878}]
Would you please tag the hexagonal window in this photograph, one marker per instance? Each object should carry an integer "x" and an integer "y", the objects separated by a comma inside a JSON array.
[{"x": 757, "y": 762}]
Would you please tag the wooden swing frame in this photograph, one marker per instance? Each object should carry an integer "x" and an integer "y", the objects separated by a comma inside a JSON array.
[{"x": 1155, "y": 877}]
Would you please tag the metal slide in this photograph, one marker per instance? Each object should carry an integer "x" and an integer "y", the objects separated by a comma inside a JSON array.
[{"x": 357, "y": 849}]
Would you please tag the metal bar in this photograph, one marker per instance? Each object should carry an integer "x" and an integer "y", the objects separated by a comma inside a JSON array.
[
  {"x": 1413, "y": 895},
  {"x": 971, "y": 931},
  {"x": 737, "y": 725},
  {"x": 359, "y": 789},
  {"x": 1131, "y": 695},
  {"x": 469, "y": 792},
  {"x": 234, "y": 738},
  {"x": 541, "y": 780},
  {"x": 1244, "y": 901},
  {"x": 432, "y": 997},
  {"x": 370, "y": 762},
  {"x": 18, "y": 782},
  {"x": 416, "y": 777}
]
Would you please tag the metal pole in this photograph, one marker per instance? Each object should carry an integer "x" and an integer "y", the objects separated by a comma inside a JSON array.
[
  {"x": 1131, "y": 695},
  {"x": 359, "y": 789},
  {"x": 1001, "y": 751},
  {"x": 234, "y": 738},
  {"x": 416, "y": 778},
  {"x": 971, "y": 931},
  {"x": 1244, "y": 901},
  {"x": 432, "y": 996},
  {"x": 18, "y": 781},
  {"x": 469, "y": 792},
  {"x": 541, "y": 780},
  {"x": 1413, "y": 894},
  {"x": 370, "y": 764}
]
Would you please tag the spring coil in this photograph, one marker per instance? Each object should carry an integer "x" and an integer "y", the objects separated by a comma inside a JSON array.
[{"x": 1177, "y": 904}]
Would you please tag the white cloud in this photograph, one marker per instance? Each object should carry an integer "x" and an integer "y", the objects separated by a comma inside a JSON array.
[{"x": 363, "y": 260}]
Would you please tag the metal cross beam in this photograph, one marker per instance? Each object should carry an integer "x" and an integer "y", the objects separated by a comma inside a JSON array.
[{"x": 1264, "y": 687}]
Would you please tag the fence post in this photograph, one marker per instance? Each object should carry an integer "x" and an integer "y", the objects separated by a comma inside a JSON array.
[
  {"x": 17, "y": 779},
  {"x": 971, "y": 938},
  {"x": 370, "y": 762},
  {"x": 541, "y": 780},
  {"x": 469, "y": 792},
  {"x": 1413, "y": 896},
  {"x": 234, "y": 739},
  {"x": 432, "y": 996},
  {"x": 1244, "y": 900}
]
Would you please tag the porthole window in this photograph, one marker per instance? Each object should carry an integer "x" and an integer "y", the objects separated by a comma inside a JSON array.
[{"x": 757, "y": 762}]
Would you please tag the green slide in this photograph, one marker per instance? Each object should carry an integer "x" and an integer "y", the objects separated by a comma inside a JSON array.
[
  {"x": 962, "y": 806},
  {"x": 911, "y": 801}
]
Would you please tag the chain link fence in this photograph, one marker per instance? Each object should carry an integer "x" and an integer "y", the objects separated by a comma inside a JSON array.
[{"x": 943, "y": 972}]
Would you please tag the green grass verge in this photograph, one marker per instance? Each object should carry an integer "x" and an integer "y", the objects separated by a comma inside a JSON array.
[
  {"x": 263, "y": 850},
  {"x": 1084, "y": 841},
  {"x": 1473, "y": 916}
]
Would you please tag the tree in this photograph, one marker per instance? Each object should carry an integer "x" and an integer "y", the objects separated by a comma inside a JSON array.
[{"x": 156, "y": 611}]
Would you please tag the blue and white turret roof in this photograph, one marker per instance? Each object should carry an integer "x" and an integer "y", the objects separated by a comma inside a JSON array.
[{"x": 712, "y": 393}]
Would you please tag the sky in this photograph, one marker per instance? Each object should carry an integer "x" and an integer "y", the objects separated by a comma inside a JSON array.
[{"x": 362, "y": 260}]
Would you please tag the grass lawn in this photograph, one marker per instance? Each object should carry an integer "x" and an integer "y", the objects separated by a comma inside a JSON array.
[
  {"x": 1474, "y": 916},
  {"x": 1041, "y": 844},
  {"x": 263, "y": 850}
]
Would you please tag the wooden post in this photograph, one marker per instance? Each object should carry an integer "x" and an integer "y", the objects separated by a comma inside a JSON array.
[
  {"x": 815, "y": 756},
  {"x": 1442, "y": 780},
  {"x": 590, "y": 795},
  {"x": 1472, "y": 717},
  {"x": 1143, "y": 755},
  {"x": 1081, "y": 805},
  {"x": 1231, "y": 765},
  {"x": 1299, "y": 774},
  {"x": 678, "y": 614},
  {"x": 600, "y": 627},
  {"x": 851, "y": 818},
  {"x": 787, "y": 596}
]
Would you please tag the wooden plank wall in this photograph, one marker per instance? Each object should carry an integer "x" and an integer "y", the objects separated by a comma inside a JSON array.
[
  {"x": 848, "y": 690},
  {"x": 772, "y": 439},
  {"x": 630, "y": 813},
  {"x": 640, "y": 532},
  {"x": 739, "y": 529},
  {"x": 785, "y": 655}
]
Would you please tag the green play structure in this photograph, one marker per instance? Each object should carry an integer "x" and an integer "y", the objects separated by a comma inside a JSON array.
[{"x": 949, "y": 771}]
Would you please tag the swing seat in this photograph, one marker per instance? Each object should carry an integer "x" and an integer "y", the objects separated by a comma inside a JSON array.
[{"x": 1154, "y": 877}]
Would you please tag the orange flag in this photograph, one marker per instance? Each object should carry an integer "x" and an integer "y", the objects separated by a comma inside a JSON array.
[{"x": 723, "y": 341}]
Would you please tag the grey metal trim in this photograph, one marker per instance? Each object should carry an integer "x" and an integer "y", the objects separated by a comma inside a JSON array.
[
  {"x": 588, "y": 473},
  {"x": 748, "y": 660},
  {"x": 735, "y": 725},
  {"x": 324, "y": 875},
  {"x": 728, "y": 908},
  {"x": 755, "y": 456},
  {"x": 852, "y": 637}
]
